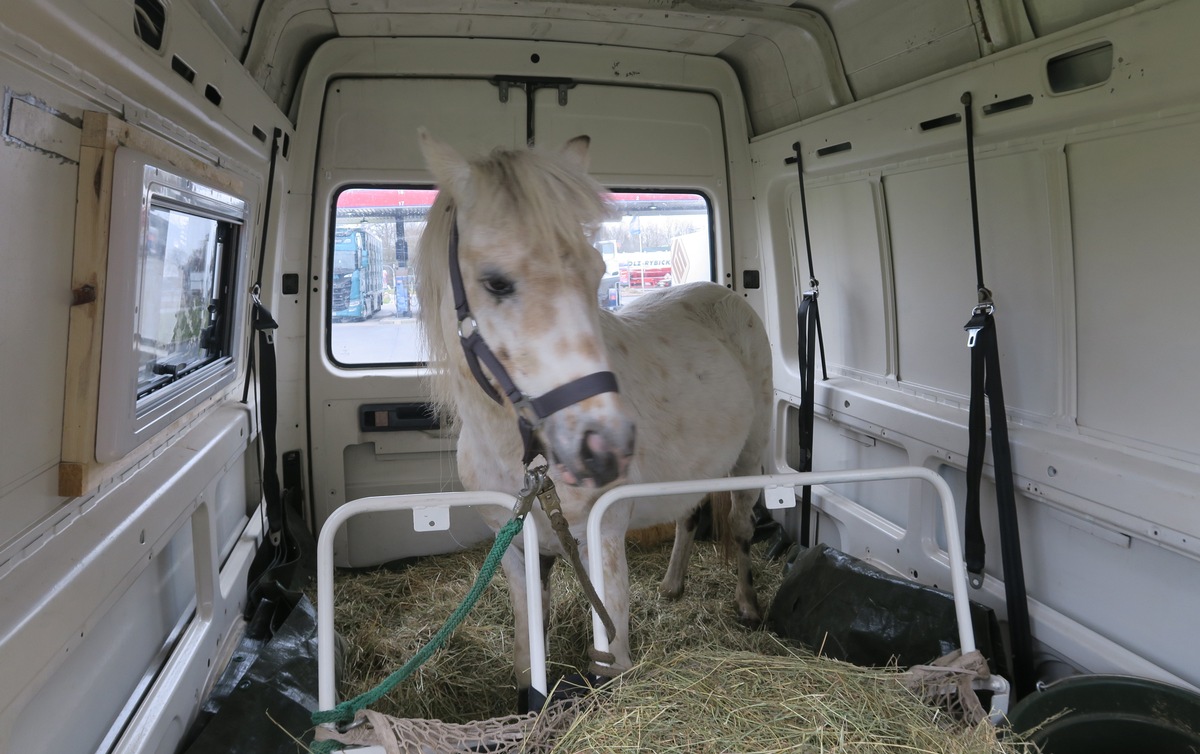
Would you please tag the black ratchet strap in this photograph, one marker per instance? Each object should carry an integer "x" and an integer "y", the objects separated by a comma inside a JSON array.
[
  {"x": 809, "y": 337},
  {"x": 985, "y": 383}
]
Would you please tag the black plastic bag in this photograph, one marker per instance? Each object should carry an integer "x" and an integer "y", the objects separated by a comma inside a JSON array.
[{"x": 848, "y": 610}]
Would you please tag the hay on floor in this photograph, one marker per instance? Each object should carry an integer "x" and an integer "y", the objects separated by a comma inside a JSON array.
[
  {"x": 714, "y": 700},
  {"x": 703, "y": 682},
  {"x": 386, "y": 614}
]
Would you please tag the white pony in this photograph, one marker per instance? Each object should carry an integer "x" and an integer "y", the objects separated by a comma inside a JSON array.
[{"x": 692, "y": 365}]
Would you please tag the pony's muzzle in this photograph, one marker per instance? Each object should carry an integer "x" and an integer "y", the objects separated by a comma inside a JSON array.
[{"x": 594, "y": 457}]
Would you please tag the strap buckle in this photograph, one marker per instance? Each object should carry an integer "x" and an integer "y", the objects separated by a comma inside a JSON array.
[
  {"x": 979, "y": 319},
  {"x": 263, "y": 321}
]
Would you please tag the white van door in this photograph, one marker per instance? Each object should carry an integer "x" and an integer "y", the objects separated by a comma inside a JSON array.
[{"x": 662, "y": 153}]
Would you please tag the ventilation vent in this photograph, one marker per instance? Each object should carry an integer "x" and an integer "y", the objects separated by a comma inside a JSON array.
[
  {"x": 833, "y": 149},
  {"x": 1012, "y": 103},
  {"x": 945, "y": 120},
  {"x": 212, "y": 94},
  {"x": 259, "y": 134},
  {"x": 149, "y": 21},
  {"x": 1081, "y": 68},
  {"x": 183, "y": 69}
]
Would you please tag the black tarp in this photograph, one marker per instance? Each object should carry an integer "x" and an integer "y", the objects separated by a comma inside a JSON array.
[
  {"x": 843, "y": 608},
  {"x": 263, "y": 702}
]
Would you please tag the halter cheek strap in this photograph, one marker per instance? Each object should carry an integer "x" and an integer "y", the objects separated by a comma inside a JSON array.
[{"x": 479, "y": 355}]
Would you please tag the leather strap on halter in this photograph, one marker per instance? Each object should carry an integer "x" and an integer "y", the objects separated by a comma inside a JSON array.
[{"x": 479, "y": 355}]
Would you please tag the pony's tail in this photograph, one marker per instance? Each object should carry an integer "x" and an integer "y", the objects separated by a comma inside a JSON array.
[{"x": 721, "y": 505}]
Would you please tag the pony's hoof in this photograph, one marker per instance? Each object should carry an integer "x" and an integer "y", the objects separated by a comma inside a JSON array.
[
  {"x": 751, "y": 622},
  {"x": 670, "y": 592},
  {"x": 749, "y": 616}
]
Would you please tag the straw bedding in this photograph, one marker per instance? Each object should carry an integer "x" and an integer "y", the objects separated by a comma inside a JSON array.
[{"x": 703, "y": 682}]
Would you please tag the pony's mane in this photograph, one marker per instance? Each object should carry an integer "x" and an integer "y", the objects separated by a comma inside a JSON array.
[{"x": 539, "y": 192}]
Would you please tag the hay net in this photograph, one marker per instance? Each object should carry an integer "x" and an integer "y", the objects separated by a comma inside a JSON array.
[
  {"x": 531, "y": 733},
  {"x": 945, "y": 685}
]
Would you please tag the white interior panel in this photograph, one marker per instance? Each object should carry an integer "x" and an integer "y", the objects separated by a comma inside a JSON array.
[
  {"x": 930, "y": 221},
  {"x": 372, "y": 124},
  {"x": 836, "y": 447},
  {"x": 847, "y": 262},
  {"x": 636, "y": 131},
  {"x": 125, "y": 645},
  {"x": 1136, "y": 224}
]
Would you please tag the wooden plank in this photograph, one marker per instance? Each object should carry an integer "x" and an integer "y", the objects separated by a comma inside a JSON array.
[{"x": 102, "y": 135}]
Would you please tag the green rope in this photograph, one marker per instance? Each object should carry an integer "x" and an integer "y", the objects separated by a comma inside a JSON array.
[{"x": 346, "y": 711}]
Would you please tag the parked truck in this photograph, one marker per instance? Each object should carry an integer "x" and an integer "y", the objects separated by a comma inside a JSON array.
[{"x": 357, "y": 284}]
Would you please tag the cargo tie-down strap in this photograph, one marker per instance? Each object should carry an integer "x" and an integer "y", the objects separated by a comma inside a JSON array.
[
  {"x": 985, "y": 382},
  {"x": 808, "y": 337},
  {"x": 283, "y": 564}
]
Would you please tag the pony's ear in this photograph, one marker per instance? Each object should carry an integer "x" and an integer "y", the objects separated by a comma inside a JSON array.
[
  {"x": 576, "y": 151},
  {"x": 449, "y": 168}
]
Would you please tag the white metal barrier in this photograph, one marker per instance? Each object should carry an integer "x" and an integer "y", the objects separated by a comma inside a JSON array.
[
  {"x": 326, "y": 683},
  {"x": 771, "y": 483},
  {"x": 775, "y": 484}
]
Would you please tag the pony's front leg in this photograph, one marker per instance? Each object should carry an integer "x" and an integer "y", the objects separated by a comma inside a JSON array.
[
  {"x": 513, "y": 564},
  {"x": 616, "y": 595}
]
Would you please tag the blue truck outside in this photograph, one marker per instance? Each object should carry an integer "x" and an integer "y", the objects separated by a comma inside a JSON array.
[{"x": 358, "y": 280}]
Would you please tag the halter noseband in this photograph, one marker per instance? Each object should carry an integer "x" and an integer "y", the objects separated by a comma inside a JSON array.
[{"x": 477, "y": 351}]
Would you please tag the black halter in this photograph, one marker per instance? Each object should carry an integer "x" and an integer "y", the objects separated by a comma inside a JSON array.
[{"x": 476, "y": 351}]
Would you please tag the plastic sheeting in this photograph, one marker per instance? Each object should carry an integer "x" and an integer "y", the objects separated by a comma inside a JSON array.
[{"x": 263, "y": 702}]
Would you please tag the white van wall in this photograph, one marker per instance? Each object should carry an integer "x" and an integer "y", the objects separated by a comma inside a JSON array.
[
  {"x": 1088, "y": 221},
  {"x": 116, "y": 602}
]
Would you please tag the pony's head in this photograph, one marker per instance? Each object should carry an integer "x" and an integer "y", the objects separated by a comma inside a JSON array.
[{"x": 525, "y": 220}]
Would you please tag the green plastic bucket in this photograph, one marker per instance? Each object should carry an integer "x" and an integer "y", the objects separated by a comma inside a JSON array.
[{"x": 1110, "y": 714}]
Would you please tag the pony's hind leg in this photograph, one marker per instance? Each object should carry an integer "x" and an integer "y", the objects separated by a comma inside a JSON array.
[
  {"x": 741, "y": 526},
  {"x": 671, "y": 586}
]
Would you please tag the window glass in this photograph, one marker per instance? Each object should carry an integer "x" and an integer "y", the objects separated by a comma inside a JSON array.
[
  {"x": 372, "y": 299},
  {"x": 655, "y": 240},
  {"x": 177, "y": 297}
]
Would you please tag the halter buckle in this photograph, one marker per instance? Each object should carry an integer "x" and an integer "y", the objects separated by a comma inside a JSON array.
[
  {"x": 473, "y": 327},
  {"x": 524, "y": 408}
]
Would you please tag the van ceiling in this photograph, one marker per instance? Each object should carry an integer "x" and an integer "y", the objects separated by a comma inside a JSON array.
[{"x": 795, "y": 60}]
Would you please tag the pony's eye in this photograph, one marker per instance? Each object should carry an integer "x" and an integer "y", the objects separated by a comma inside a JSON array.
[{"x": 498, "y": 286}]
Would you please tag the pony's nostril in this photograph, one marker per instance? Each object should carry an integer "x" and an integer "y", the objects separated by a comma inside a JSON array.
[
  {"x": 597, "y": 458},
  {"x": 594, "y": 442}
]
